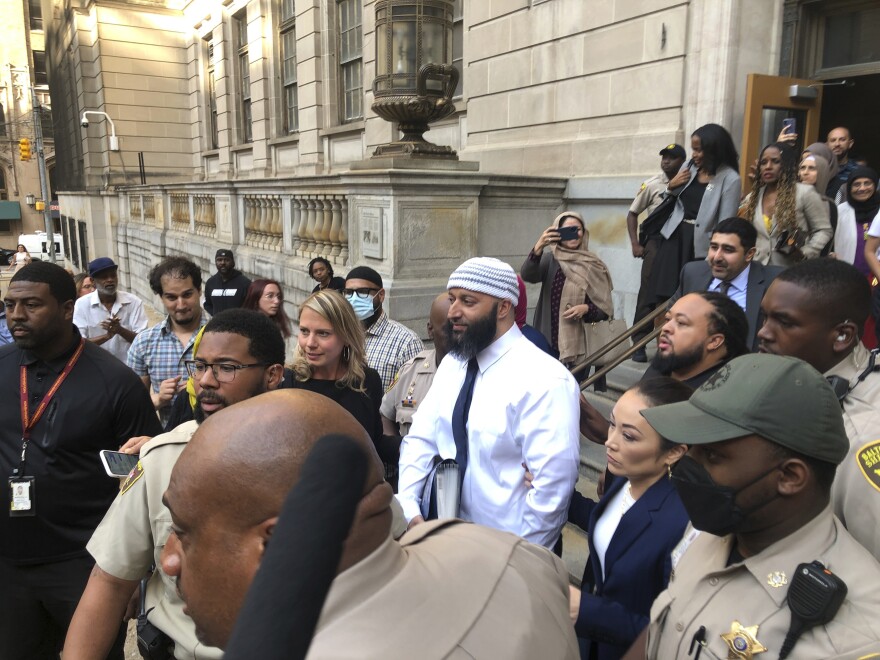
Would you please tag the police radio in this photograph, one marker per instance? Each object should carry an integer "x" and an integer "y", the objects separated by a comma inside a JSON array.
[{"x": 814, "y": 597}]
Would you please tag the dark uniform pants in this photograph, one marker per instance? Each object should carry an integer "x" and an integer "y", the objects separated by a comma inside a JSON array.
[
  {"x": 36, "y": 605},
  {"x": 646, "y": 301}
]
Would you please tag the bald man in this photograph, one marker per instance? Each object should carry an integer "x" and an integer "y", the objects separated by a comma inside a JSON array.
[{"x": 450, "y": 589}]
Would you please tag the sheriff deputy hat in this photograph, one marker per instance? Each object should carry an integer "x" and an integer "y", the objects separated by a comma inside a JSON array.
[
  {"x": 674, "y": 150},
  {"x": 781, "y": 399},
  {"x": 486, "y": 275}
]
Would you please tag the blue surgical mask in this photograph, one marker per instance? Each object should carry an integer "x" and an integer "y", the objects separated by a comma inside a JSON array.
[{"x": 363, "y": 307}]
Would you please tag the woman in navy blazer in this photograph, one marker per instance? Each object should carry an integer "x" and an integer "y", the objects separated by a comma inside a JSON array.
[{"x": 632, "y": 529}]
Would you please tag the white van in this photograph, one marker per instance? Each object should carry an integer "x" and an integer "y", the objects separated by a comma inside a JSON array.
[{"x": 36, "y": 245}]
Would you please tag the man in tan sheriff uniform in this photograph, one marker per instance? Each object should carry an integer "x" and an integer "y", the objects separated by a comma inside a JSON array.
[
  {"x": 766, "y": 435},
  {"x": 447, "y": 589},
  {"x": 241, "y": 354},
  {"x": 414, "y": 380},
  {"x": 816, "y": 312}
]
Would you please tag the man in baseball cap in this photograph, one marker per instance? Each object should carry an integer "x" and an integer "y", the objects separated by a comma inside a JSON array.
[
  {"x": 227, "y": 288},
  {"x": 766, "y": 436},
  {"x": 108, "y": 317},
  {"x": 645, "y": 244},
  {"x": 497, "y": 403}
]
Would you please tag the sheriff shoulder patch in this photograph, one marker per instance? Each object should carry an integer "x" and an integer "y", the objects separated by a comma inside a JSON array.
[
  {"x": 136, "y": 473},
  {"x": 868, "y": 459}
]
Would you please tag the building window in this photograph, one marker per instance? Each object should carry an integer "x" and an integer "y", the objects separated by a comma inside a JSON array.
[
  {"x": 2, "y": 121},
  {"x": 3, "y": 192},
  {"x": 850, "y": 39},
  {"x": 40, "y": 76},
  {"x": 46, "y": 124},
  {"x": 35, "y": 9},
  {"x": 458, "y": 45},
  {"x": 213, "y": 133},
  {"x": 351, "y": 59},
  {"x": 244, "y": 75},
  {"x": 288, "y": 67}
]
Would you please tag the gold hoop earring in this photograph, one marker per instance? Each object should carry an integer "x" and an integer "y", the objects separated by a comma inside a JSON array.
[{"x": 346, "y": 353}]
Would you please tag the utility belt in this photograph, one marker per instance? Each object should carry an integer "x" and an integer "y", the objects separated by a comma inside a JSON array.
[{"x": 153, "y": 644}]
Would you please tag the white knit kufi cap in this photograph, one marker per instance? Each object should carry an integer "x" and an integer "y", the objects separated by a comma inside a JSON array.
[{"x": 486, "y": 275}]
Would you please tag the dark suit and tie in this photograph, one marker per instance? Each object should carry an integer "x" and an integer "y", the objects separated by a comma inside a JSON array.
[
  {"x": 615, "y": 606},
  {"x": 697, "y": 276}
]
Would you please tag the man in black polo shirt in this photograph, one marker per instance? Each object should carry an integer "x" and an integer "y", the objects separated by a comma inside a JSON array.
[{"x": 75, "y": 399}]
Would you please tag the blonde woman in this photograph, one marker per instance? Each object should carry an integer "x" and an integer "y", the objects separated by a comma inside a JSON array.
[
  {"x": 330, "y": 359},
  {"x": 791, "y": 218}
]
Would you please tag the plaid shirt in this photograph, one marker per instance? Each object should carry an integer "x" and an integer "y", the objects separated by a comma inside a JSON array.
[
  {"x": 390, "y": 345},
  {"x": 158, "y": 354}
]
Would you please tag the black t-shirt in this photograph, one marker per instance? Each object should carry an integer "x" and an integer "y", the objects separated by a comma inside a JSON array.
[
  {"x": 100, "y": 405},
  {"x": 693, "y": 381},
  {"x": 691, "y": 198},
  {"x": 229, "y": 294},
  {"x": 336, "y": 283},
  {"x": 364, "y": 406}
]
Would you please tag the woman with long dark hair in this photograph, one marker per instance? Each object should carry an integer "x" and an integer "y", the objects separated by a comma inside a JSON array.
[
  {"x": 707, "y": 190},
  {"x": 267, "y": 297},
  {"x": 791, "y": 218},
  {"x": 632, "y": 529}
]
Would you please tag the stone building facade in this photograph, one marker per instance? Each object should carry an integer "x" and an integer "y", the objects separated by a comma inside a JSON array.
[
  {"x": 23, "y": 60},
  {"x": 252, "y": 120}
]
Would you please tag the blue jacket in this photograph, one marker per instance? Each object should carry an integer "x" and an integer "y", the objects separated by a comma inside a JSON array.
[{"x": 614, "y": 611}]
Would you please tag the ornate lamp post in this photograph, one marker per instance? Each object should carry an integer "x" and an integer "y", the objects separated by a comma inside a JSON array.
[{"x": 415, "y": 79}]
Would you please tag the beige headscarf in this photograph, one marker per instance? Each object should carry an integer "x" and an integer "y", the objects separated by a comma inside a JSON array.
[
  {"x": 585, "y": 275},
  {"x": 823, "y": 172}
]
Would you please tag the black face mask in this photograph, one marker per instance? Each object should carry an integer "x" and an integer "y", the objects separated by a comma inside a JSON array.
[{"x": 711, "y": 508}]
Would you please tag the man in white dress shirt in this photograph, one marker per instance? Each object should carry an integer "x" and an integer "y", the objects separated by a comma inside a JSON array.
[
  {"x": 108, "y": 317},
  {"x": 523, "y": 411}
]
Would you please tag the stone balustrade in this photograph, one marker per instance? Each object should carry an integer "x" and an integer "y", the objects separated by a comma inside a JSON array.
[
  {"x": 319, "y": 227},
  {"x": 179, "y": 211},
  {"x": 205, "y": 215},
  {"x": 262, "y": 222},
  {"x": 149, "y": 203},
  {"x": 134, "y": 208}
]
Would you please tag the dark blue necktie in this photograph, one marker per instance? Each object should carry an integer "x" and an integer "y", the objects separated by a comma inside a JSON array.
[{"x": 460, "y": 416}]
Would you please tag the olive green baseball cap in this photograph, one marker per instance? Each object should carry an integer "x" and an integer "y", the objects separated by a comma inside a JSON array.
[{"x": 782, "y": 399}]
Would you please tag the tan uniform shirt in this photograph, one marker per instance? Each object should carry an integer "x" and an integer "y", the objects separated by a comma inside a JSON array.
[
  {"x": 449, "y": 589},
  {"x": 856, "y": 491},
  {"x": 409, "y": 389},
  {"x": 648, "y": 196},
  {"x": 704, "y": 591},
  {"x": 133, "y": 533}
]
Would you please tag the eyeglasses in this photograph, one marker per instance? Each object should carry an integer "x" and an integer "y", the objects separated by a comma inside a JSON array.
[
  {"x": 360, "y": 293},
  {"x": 223, "y": 372}
]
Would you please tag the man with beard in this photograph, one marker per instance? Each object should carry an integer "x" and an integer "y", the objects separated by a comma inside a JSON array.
[
  {"x": 497, "y": 403},
  {"x": 108, "y": 317},
  {"x": 158, "y": 354},
  {"x": 75, "y": 400},
  {"x": 729, "y": 269},
  {"x": 227, "y": 288},
  {"x": 816, "y": 311},
  {"x": 840, "y": 142},
  {"x": 702, "y": 331},
  {"x": 241, "y": 355},
  {"x": 390, "y": 344},
  {"x": 766, "y": 437}
]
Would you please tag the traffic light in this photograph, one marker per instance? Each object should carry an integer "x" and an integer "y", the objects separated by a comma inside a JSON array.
[{"x": 24, "y": 149}]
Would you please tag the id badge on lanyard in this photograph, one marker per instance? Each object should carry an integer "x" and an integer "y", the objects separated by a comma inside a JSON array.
[{"x": 23, "y": 488}]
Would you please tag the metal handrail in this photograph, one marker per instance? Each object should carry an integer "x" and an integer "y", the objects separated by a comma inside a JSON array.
[
  {"x": 624, "y": 356},
  {"x": 614, "y": 343}
]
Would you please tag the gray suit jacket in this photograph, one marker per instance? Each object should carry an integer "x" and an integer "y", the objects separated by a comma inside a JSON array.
[
  {"x": 720, "y": 201},
  {"x": 697, "y": 276}
]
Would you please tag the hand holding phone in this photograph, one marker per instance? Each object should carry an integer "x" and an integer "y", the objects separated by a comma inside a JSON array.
[
  {"x": 568, "y": 233},
  {"x": 117, "y": 464}
]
